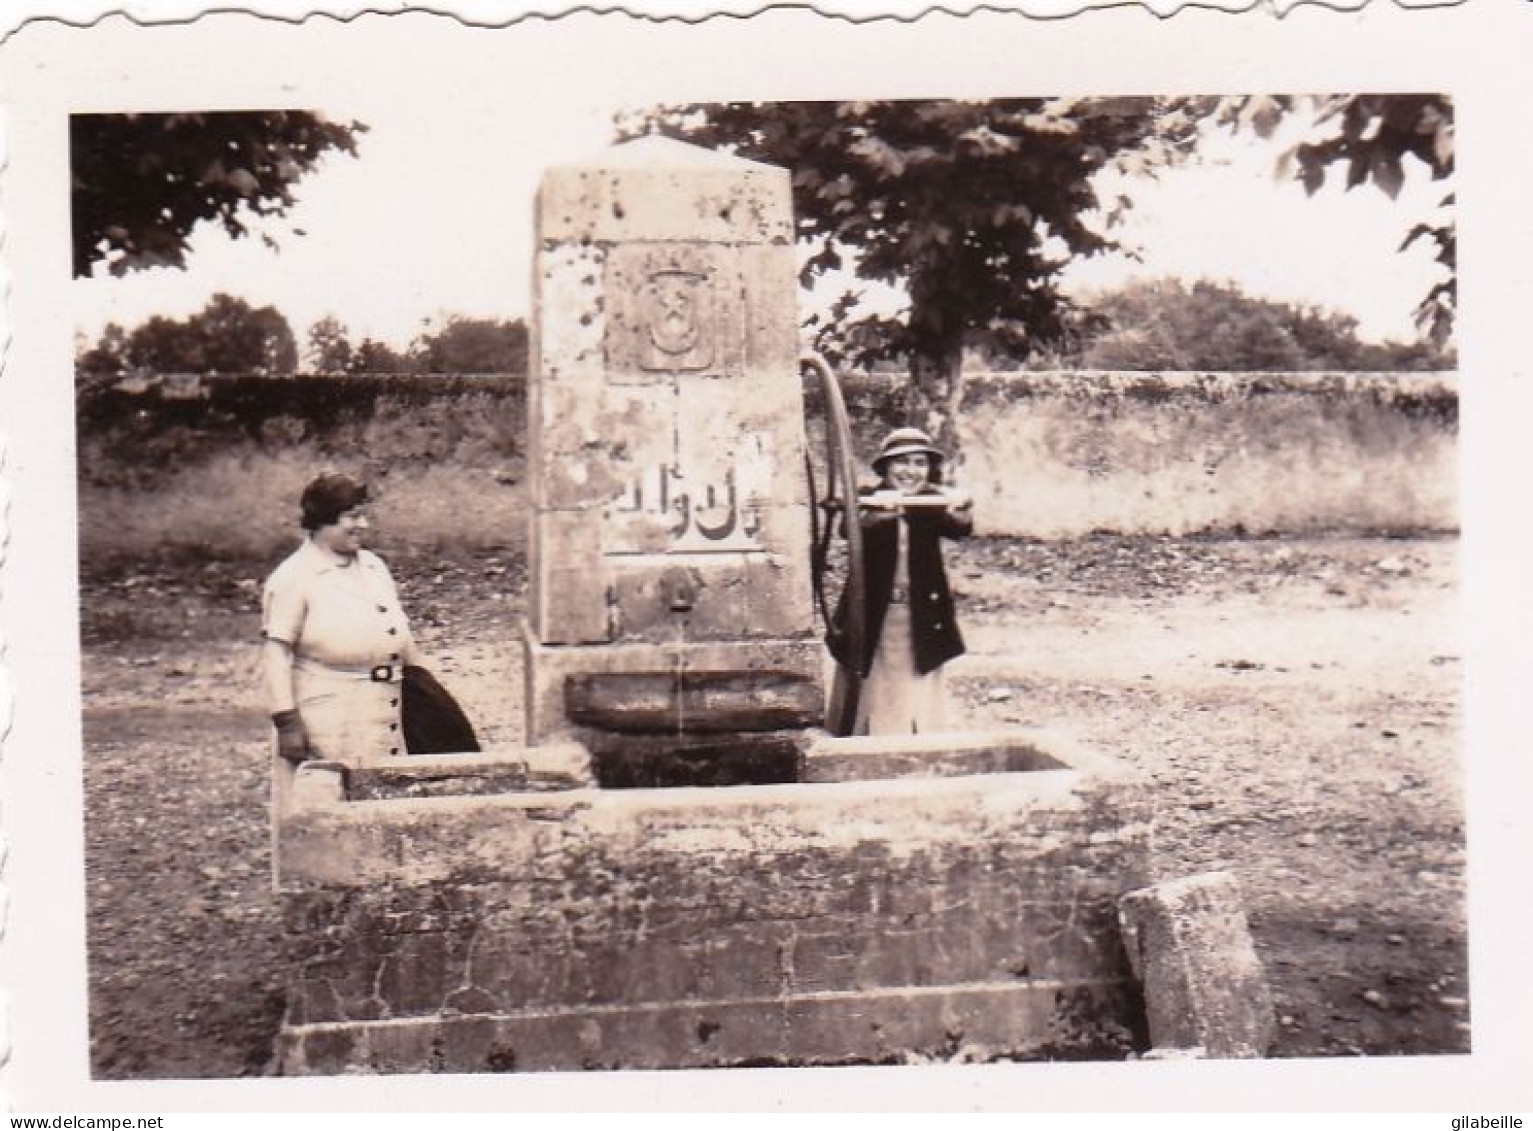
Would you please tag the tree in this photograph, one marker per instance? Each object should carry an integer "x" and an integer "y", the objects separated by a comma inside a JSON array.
[
  {"x": 108, "y": 356},
  {"x": 142, "y": 182},
  {"x": 329, "y": 346},
  {"x": 237, "y": 338},
  {"x": 226, "y": 336},
  {"x": 972, "y": 207},
  {"x": 473, "y": 345},
  {"x": 378, "y": 357},
  {"x": 1166, "y": 325},
  {"x": 1371, "y": 136},
  {"x": 165, "y": 345}
]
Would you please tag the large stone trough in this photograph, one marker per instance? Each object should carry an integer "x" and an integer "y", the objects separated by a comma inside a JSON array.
[{"x": 906, "y": 897}]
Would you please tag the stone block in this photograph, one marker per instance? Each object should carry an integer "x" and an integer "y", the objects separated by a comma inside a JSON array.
[
  {"x": 522, "y": 769},
  {"x": 666, "y": 409},
  {"x": 569, "y": 308},
  {"x": 781, "y": 521},
  {"x": 704, "y": 597},
  {"x": 779, "y": 594},
  {"x": 560, "y": 765},
  {"x": 1204, "y": 987},
  {"x": 437, "y": 775},
  {"x": 770, "y": 273},
  {"x": 670, "y": 928},
  {"x": 568, "y": 601},
  {"x": 547, "y": 667},
  {"x": 679, "y": 597},
  {"x": 693, "y": 760},
  {"x": 685, "y": 702},
  {"x": 658, "y": 189},
  {"x": 745, "y": 433},
  {"x": 1011, "y": 846},
  {"x": 1007, "y": 1021},
  {"x": 590, "y": 451},
  {"x": 317, "y": 783},
  {"x": 641, "y": 506},
  {"x": 864, "y": 757}
]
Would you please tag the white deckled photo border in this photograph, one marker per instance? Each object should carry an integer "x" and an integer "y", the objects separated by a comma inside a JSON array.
[{"x": 90, "y": 55}]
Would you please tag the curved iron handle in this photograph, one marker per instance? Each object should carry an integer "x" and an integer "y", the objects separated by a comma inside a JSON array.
[{"x": 841, "y": 710}]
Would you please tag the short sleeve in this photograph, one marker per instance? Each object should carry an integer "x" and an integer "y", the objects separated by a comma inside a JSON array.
[{"x": 282, "y": 608}]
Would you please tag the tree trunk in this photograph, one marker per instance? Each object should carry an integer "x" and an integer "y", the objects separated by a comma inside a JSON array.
[{"x": 934, "y": 395}]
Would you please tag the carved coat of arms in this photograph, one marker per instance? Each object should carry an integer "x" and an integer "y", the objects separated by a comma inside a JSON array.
[{"x": 676, "y": 308}]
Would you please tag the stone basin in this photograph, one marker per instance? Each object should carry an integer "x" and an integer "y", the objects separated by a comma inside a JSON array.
[{"x": 911, "y": 897}]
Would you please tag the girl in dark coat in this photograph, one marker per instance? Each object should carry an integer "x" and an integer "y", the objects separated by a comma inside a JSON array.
[{"x": 911, "y": 628}]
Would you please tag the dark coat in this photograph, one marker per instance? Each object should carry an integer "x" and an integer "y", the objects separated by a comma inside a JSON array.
[
  {"x": 432, "y": 721},
  {"x": 932, "y": 621}
]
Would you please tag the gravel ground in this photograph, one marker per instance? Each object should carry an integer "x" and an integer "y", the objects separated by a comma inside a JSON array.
[{"x": 1295, "y": 703}]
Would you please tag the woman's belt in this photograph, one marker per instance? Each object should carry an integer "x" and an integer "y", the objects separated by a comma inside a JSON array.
[{"x": 377, "y": 673}]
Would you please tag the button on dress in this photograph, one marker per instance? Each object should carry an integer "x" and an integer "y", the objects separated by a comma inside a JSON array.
[{"x": 343, "y": 619}]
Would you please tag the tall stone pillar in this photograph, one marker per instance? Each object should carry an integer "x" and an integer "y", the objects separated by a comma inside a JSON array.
[{"x": 669, "y": 505}]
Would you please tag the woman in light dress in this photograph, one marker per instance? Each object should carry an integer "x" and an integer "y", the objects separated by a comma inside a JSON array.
[{"x": 335, "y": 638}]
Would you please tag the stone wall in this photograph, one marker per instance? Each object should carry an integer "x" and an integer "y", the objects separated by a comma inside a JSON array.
[{"x": 1058, "y": 455}]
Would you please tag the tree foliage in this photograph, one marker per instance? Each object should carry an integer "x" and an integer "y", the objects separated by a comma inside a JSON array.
[
  {"x": 1167, "y": 325},
  {"x": 329, "y": 349},
  {"x": 226, "y": 336},
  {"x": 1373, "y": 139},
  {"x": 972, "y": 208},
  {"x": 108, "y": 356},
  {"x": 142, "y": 182},
  {"x": 373, "y": 356},
  {"x": 462, "y": 345},
  {"x": 472, "y": 345}
]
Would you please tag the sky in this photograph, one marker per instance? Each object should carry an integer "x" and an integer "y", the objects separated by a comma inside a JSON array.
[{"x": 420, "y": 225}]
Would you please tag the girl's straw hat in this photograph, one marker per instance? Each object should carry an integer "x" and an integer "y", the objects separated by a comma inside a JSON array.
[{"x": 903, "y": 441}]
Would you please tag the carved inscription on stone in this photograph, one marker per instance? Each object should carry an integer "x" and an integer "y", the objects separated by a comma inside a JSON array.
[{"x": 662, "y": 511}]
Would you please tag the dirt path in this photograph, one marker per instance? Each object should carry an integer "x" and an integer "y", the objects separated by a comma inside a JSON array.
[
  {"x": 1296, "y": 707},
  {"x": 1294, "y": 702}
]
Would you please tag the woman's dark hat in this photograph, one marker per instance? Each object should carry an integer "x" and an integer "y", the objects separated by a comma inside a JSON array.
[
  {"x": 328, "y": 497},
  {"x": 903, "y": 441}
]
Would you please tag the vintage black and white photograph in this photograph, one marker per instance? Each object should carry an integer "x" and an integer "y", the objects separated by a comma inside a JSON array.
[{"x": 588, "y": 570}]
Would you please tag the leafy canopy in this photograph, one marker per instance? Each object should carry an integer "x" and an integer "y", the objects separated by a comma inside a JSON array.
[
  {"x": 140, "y": 183},
  {"x": 1373, "y": 139},
  {"x": 330, "y": 349},
  {"x": 1167, "y": 326},
  {"x": 226, "y": 336},
  {"x": 472, "y": 345},
  {"x": 229, "y": 336},
  {"x": 461, "y": 345}
]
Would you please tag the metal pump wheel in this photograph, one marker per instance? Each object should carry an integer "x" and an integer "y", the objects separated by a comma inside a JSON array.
[{"x": 839, "y": 473}]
